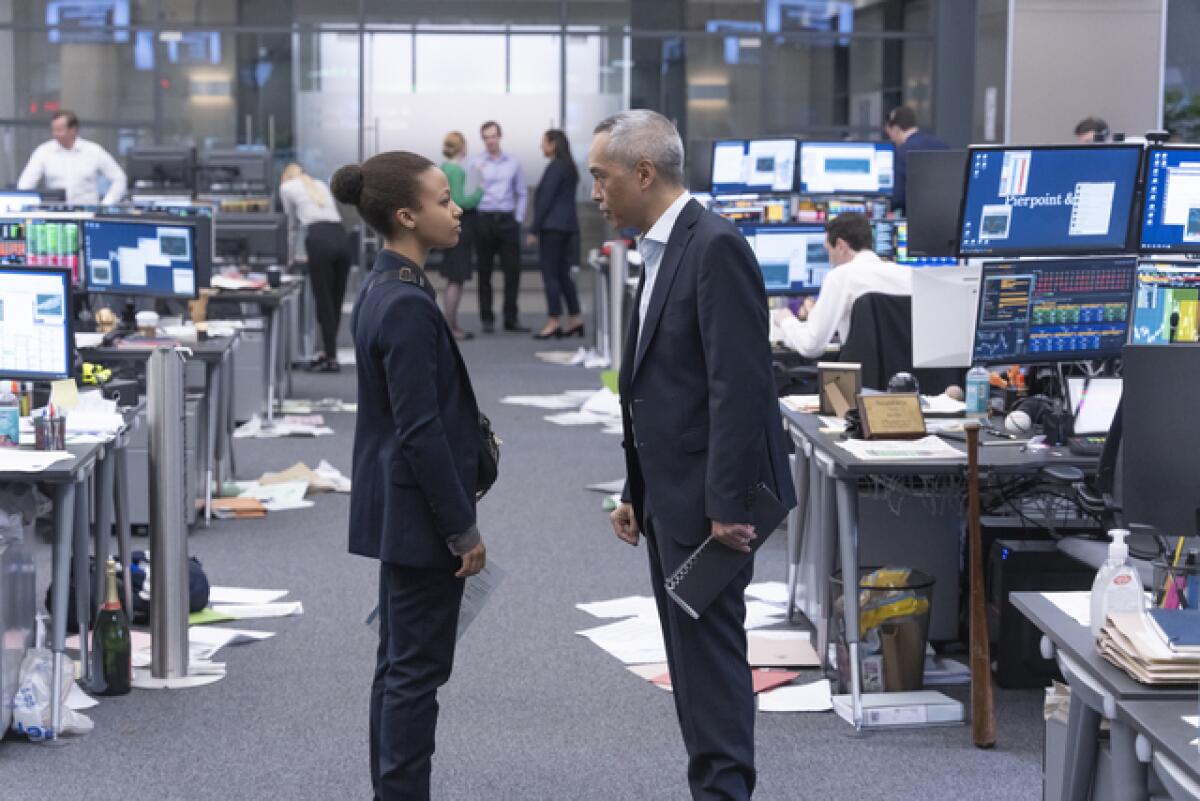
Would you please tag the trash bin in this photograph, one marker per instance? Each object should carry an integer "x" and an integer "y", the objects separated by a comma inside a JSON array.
[{"x": 894, "y": 605}]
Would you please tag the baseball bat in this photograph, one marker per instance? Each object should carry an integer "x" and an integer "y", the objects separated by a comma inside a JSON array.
[{"x": 983, "y": 709}]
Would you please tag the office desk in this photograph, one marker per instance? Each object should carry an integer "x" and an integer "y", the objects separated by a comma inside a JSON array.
[
  {"x": 275, "y": 304},
  {"x": 217, "y": 354},
  {"x": 826, "y": 516},
  {"x": 69, "y": 478},
  {"x": 1097, "y": 689},
  {"x": 1165, "y": 741}
]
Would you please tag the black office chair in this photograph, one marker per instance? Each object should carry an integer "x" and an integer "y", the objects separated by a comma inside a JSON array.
[{"x": 880, "y": 340}]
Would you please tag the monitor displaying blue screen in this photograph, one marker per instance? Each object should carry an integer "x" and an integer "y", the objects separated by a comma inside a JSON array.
[
  {"x": 1036, "y": 201},
  {"x": 792, "y": 257},
  {"x": 35, "y": 323},
  {"x": 123, "y": 257},
  {"x": 1167, "y": 305},
  {"x": 1053, "y": 310},
  {"x": 847, "y": 168},
  {"x": 1171, "y": 206},
  {"x": 753, "y": 165}
]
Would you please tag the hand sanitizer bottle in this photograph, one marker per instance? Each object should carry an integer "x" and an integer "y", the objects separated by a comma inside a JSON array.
[{"x": 1117, "y": 587}]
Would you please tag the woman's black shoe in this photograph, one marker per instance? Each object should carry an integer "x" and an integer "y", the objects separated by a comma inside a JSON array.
[
  {"x": 553, "y": 333},
  {"x": 577, "y": 331},
  {"x": 329, "y": 366}
]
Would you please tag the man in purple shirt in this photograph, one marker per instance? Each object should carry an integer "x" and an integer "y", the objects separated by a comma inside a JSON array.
[{"x": 501, "y": 212}]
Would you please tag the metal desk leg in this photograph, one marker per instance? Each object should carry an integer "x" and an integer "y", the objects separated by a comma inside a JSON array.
[
  {"x": 212, "y": 408},
  {"x": 228, "y": 365},
  {"x": 1129, "y": 775},
  {"x": 1083, "y": 735},
  {"x": 272, "y": 361},
  {"x": 105, "y": 469},
  {"x": 288, "y": 330},
  {"x": 64, "y": 522},
  {"x": 847, "y": 516},
  {"x": 121, "y": 502},
  {"x": 826, "y": 550},
  {"x": 796, "y": 520},
  {"x": 79, "y": 548}
]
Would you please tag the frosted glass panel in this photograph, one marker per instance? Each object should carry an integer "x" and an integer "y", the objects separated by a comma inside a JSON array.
[
  {"x": 327, "y": 103},
  {"x": 534, "y": 64},
  {"x": 460, "y": 63}
]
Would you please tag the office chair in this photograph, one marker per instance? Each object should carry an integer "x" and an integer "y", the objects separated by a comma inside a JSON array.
[{"x": 880, "y": 340}]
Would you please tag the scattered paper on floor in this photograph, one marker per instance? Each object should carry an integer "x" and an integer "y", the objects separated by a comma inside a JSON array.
[
  {"x": 814, "y": 697},
  {"x": 253, "y": 611},
  {"x": 256, "y": 428},
  {"x": 561, "y": 401},
  {"x": 772, "y": 592},
  {"x": 326, "y": 478},
  {"x": 280, "y": 497},
  {"x": 243, "y": 595},
  {"x": 608, "y": 487},
  {"x": 78, "y": 700},
  {"x": 630, "y": 606},
  {"x": 305, "y": 406},
  {"x": 781, "y": 648}
]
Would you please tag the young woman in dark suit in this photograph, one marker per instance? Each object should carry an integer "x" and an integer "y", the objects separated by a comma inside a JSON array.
[
  {"x": 416, "y": 456},
  {"x": 555, "y": 228}
]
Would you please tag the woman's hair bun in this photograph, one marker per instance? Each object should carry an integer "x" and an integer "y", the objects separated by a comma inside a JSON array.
[{"x": 347, "y": 184}]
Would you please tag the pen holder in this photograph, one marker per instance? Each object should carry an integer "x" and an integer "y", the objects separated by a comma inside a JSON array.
[
  {"x": 50, "y": 433},
  {"x": 1177, "y": 586}
]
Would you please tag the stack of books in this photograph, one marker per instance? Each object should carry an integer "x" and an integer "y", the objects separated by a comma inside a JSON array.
[{"x": 1149, "y": 652}]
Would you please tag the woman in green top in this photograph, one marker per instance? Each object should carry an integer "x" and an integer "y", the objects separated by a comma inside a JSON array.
[{"x": 457, "y": 262}]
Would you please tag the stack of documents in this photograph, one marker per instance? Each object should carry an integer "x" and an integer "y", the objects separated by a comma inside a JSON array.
[
  {"x": 930, "y": 447},
  {"x": 1129, "y": 640}
]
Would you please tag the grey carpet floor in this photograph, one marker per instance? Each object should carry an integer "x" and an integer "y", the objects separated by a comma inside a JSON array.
[{"x": 532, "y": 712}]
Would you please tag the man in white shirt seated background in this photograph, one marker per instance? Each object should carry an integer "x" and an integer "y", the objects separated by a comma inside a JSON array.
[
  {"x": 857, "y": 271},
  {"x": 72, "y": 163}
]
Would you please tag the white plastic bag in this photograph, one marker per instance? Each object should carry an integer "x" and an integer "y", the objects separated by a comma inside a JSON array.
[{"x": 31, "y": 704}]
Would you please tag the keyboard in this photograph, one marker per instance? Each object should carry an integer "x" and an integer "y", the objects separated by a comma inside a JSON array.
[{"x": 1086, "y": 444}]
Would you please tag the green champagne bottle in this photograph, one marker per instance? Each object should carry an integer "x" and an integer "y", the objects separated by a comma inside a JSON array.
[{"x": 111, "y": 640}]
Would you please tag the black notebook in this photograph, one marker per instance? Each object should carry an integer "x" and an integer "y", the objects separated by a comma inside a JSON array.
[{"x": 712, "y": 566}]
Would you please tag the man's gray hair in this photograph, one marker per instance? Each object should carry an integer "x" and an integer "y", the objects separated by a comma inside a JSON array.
[{"x": 641, "y": 134}]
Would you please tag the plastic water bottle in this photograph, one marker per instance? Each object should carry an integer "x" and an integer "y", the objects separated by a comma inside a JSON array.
[
  {"x": 10, "y": 417},
  {"x": 978, "y": 390},
  {"x": 1117, "y": 587}
]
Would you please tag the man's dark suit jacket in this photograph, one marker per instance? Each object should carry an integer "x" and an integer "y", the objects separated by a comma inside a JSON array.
[
  {"x": 416, "y": 443},
  {"x": 554, "y": 199},
  {"x": 702, "y": 422},
  {"x": 918, "y": 141}
]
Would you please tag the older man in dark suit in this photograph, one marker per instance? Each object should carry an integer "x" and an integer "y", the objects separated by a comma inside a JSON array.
[{"x": 702, "y": 428}]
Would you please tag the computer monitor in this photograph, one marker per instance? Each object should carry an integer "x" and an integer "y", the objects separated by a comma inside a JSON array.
[
  {"x": 1048, "y": 199},
  {"x": 792, "y": 257},
  {"x": 39, "y": 240},
  {"x": 36, "y": 342},
  {"x": 935, "y": 184},
  {"x": 17, "y": 200},
  {"x": 944, "y": 303},
  {"x": 139, "y": 257},
  {"x": 1053, "y": 310},
  {"x": 1171, "y": 202},
  {"x": 251, "y": 237},
  {"x": 53, "y": 195},
  {"x": 1093, "y": 403},
  {"x": 198, "y": 217},
  {"x": 753, "y": 165},
  {"x": 885, "y": 239},
  {"x": 241, "y": 171},
  {"x": 902, "y": 254},
  {"x": 161, "y": 167},
  {"x": 847, "y": 168},
  {"x": 1166, "y": 305}
]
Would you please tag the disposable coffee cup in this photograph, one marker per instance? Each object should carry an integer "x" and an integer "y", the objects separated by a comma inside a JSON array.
[
  {"x": 274, "y": 277},
  {"x": 147, "y": 323}
]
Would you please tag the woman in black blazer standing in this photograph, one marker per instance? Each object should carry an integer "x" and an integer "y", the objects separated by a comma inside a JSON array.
[
  {"x": 416, "y": 457},
  {"x": 555, "y": 228}
]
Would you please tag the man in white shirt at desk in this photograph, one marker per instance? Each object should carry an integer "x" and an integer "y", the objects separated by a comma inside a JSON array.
[
  {"x": 857, "y": 271},
  {"x": 72, "y": 163}
]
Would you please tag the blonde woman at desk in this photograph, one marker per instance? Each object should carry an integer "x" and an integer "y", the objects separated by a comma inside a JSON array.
[
  {"x": 857, "y": 271},
  {"x": 316, "y": 236}
]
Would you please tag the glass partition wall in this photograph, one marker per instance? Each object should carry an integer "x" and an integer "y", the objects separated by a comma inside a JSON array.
[{"x": 329, "y": 83}]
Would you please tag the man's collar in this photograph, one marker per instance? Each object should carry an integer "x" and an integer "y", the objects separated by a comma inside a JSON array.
[
  {"x": 661, "y": 230},
  {"x": 866, "y": 256}
]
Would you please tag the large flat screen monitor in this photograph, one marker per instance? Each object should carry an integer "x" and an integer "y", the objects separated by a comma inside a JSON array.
[
  {"x": 40, "y": 241},
  {"x": 161, "y": 167},
  {"x": 753, "y": 165},
  {"x": 1171, "y": 203},
  {"x": 1053, "y": 310},
  {"x": 1166, "y": 305},
  {"x": 35, "y": 323},
  {"x": 16, "y": 200},
  {"x": 135, "y": 257},
  {"x": 251, "y": 237},
  {"x": 1047, "y": 200},
  {"x": 238, "y": 171},
  {"x": 847, "y": 168},
  {"x": 792, "y": 257},
  {"x": 935, "y": 184}
]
